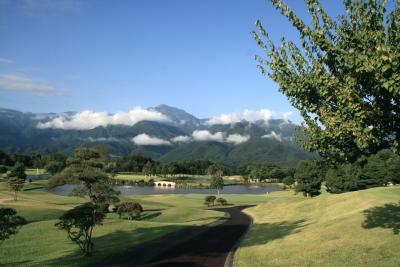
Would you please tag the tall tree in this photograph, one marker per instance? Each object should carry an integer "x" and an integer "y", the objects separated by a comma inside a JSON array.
[
  {"x": 102, "y": 151},
  {"x": 344, "y": 178},
  {"x": 393, "y": 169},
  {"x": 85, "y": 169},
  {"x": 16, "y": 178},
  {"x": 374, "y": 172},
  {"x": 147, "y": 168},
  {"x": 344, "y": 79},
  {"x": 308, "y": 178},
  {"x": 79, "y": 223},
  {"x": 217, "y": 182}
]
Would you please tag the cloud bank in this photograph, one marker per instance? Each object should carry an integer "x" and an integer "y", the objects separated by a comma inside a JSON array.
[
  {"x": 147, "y": 140},
  {"x": 273, "y": 135},
  {"x": 181, "y": 139},
  {"x": 205, "y": 135},
  {"x": 197, "y": 136},
  {"x": 237, "y": 139},
  {"x": 89, "y": 119},
  {"x": 104, "y": 139},
  {"x": 249, "y": 115}
]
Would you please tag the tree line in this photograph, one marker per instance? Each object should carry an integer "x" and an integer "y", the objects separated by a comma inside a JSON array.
[{"x": 380, "y": 169}]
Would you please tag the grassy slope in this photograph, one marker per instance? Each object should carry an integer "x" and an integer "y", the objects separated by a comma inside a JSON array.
[
  {"x": 324, "y": 231},
  {"x": 41, "y": 243}
]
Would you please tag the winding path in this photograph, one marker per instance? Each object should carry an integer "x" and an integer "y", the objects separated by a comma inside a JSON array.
[{"x": 210, "y": 245}]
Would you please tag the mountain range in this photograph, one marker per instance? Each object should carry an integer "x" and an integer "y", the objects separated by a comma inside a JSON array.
[{"x": 164, "y": 133}]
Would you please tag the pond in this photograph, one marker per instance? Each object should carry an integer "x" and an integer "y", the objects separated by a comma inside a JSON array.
[
  {"x": 126, "y": 190},
  {"x": 38, "y": 177}
]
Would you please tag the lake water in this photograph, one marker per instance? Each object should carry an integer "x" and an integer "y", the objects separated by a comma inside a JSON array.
[
  {"x": 150, "y": 190},
  {"x": 38, "y": 177}
]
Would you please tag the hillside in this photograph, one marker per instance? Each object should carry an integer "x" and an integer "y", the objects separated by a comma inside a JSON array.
[
  {"x": 352, "y": 229},
  {"x": 164, "y": 132}
]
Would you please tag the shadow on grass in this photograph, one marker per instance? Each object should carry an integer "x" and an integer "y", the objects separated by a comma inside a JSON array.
[
  {"x": 261, "y": 234},
  {"x": 179, "y": 245},
  {"x": 387, "y": 216},
  {"x": 18, "y": 263},
  {"x": 115, "y": 244},
  {"x": 206, "y": 218},
  {"x": 147, "y": 216}
]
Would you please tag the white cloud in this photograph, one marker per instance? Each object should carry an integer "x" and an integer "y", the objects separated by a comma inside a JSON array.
[
  {"x": 249, "y": 115},
  {"x": 204, "y": 135},
  {"x": 104, "y": 139},
  {"x": 264, "y": 114},
  {"x": 237, "y": 138},
  {"x": 286, "y": 116},
  {"x": 181, "y": 139},
  {"x": 89, "y": 119},
  {"x": 224, "y": 119},
  {"x": 147, "y": 140},
  {"x": 13, "y": 82},
  {"x": 6, "y": 61},
  {"x": 273, "y": 135}
]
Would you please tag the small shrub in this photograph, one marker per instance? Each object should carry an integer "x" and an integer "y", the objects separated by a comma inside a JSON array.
[
  {"x": 3, "y": 169},
  {"x": 131, "y": 209},
  {"x": 209, "y": 200},
  {"x": 222, "y": 201}
]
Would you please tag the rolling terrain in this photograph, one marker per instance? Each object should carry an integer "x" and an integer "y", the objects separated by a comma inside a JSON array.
[{"x": 233, "y": 143}]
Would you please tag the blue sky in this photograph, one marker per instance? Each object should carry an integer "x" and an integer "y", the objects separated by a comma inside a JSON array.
[{"x": 114, "y": 55}]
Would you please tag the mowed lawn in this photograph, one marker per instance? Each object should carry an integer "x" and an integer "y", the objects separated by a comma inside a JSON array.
[
  {"x": 351, "y": 229},
  {"x": 40, "y": 243}
]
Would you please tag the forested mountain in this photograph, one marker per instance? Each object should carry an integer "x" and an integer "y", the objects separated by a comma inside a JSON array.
[{"x": 172, "y": 136}]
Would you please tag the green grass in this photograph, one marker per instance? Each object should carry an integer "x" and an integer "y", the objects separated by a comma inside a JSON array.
[
  {"x": 35, "y": 184},
  {"x": 40, "y": 243},
  {"x": 192, "y": 179},
  {"x": 135, "y": 177},
  {"x": 34, "y": 172},
  {"x": 351, "y": 229}
]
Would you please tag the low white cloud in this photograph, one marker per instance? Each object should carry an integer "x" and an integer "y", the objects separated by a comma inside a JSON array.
[
  {"x": 181, "y": 139},
  {"x": 6, "y": 61},
  {"x": 286, "y": 116},
  {"x": 104, "y": 139},
  {"x": 249, "y": 115},
  {"x": 273, "y": 135},
  {"x": 11, "y": 82},
  {"x": 237, "y": 138},
  {"x": 264, "y": 114},
  {"x": 89, "y": 119},
  {"x": 147, "y": 140},
  {"x": 204, "y": 135},
  {"x": 225, "y": 119}
]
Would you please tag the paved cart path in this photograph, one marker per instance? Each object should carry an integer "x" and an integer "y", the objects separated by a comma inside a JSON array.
[{"x": 210, "y": 245}]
